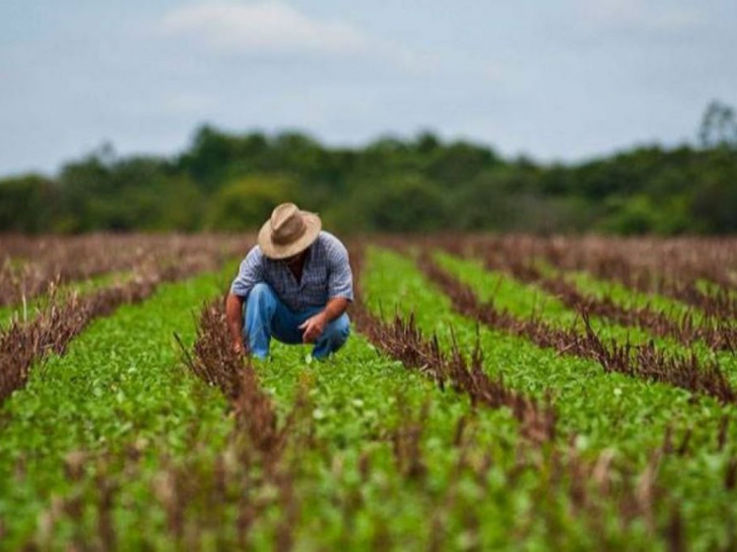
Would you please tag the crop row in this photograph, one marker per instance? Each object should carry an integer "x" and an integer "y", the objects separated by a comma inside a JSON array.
[
  {"x": 254, "y": 461},
  {"x": 699, "y": 272},
  {"x": 582, "y": 491},
  {"x": 30, "y": 265},
  {"x": 605, "y": 299},
  {"x": 243, "y": 489},
  {"x": 23, "y": 343},
  {"x": 402, "y": 341},
  {"x": 688, "y": 327},
  {"x": 400, "y": 441},
  {"x": 579, "y": 491},
  {"x": 645, "y": 361},
  {"x": 27, "y": 309},
  {"x": 649, "y": 261},
  {"x": 96, "y": 429},
  {"x": 530, "y": 299},
  {"x": 604, "y": 410},
  {"x": 359, "y": 451}
]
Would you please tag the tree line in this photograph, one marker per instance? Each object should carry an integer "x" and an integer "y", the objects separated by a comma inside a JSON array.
[{"x": 230, "y": 182}]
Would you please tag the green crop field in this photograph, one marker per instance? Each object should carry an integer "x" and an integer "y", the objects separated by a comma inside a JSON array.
[{"x": 497, "y": 392}]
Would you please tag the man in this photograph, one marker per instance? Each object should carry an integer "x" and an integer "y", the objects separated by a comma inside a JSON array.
[{"x": 296, "y": 284}]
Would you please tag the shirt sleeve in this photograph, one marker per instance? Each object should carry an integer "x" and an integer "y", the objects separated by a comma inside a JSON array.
[
  {"x": 340, "y": 277},
  {"x": 249, "y": 274}
]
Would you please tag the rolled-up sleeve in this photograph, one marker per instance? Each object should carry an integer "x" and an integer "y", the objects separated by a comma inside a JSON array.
[
  {"x": 340, "y": 277},
  {"x": 249, "y": 274}
]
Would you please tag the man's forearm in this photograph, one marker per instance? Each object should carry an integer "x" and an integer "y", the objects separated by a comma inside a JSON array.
[
  {"x": 234, "y": 316},
  {"x": 335, "y": 307}
]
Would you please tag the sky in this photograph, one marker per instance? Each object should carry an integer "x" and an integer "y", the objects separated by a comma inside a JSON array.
[{"x": 562, "y": 80}]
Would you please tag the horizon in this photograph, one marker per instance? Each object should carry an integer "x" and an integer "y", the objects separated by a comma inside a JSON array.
[
  {"x": 563, "y": 82},
  {"x": 118, "y": 155}
]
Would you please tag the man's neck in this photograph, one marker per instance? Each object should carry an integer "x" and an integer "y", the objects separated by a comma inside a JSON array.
[{"x": 297, "y": 267}]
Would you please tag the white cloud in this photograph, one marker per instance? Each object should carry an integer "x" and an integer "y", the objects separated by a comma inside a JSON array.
[
  {"x": 272, "y": 27},
  {"x": 268, "y": 27}
]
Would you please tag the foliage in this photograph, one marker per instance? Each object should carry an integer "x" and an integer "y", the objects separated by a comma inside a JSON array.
[
  {"x": 230, "y": 181},
  {"x": 605, "y": 411},
  {"x": 27, "y": 203},
  {"x": 718, "y": 127},
  {"x": 118, "y": 384},
  {"x": 482, "y": 438},
  {"x": 242, "y": 204}
]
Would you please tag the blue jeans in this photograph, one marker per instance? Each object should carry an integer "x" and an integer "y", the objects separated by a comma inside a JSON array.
[{"x": 266, "y": 315}]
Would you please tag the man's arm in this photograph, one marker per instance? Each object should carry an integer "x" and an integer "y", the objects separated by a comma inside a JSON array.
[
  {"x": 249, "y": 274},
  {"x": 234, "y": 318},
  {"x": 340, "y": 291},
  {"x": 313, "y": 327},
  {"x": 335, "y": 307}
]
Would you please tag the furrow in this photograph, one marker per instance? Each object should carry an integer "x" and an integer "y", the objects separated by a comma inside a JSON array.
[
  {"x": 609, "y": 417},
  {"x": 644, "y": 361},
  {"x": 22, "y": 344},
  {"x": 118, "y": 394},
  {"x": 31, "y": 266},
  {"x": 259, "y": 440},
  {"x": 402, "y": 340},
  {"x": 716, "y": 333},
  {"x": 673, "y": 268}
]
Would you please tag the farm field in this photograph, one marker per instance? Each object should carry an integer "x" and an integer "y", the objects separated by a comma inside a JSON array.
[{"x": 497, "y": 392}]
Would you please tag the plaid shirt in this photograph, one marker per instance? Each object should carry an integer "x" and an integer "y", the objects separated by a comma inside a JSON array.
[{"x": 326, "y": 274}]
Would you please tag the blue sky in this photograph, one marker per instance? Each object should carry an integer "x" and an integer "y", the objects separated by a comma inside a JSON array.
[{"x": 555, "y": 79}]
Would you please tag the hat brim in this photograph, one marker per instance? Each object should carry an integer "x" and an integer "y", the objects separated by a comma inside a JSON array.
[{"x": 313, "y": 225}]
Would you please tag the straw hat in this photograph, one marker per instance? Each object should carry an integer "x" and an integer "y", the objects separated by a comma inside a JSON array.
[{"x": 289, "y": 231}]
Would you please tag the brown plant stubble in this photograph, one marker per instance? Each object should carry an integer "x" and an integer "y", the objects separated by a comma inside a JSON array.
[
  {"x": 644, "y": 361},
  {"x": 30, "y": 266},
  {"x": 22, "y": 344},
  {"x": 402, "y": 341},
  {"x": 589, "y": 482},
  {"x": 672, "y": 267},
  {"x": 258, "y": 439},
  {"x": 714, "y": 332}
]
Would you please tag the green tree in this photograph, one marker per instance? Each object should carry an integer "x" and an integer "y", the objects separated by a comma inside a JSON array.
[
  {"x": 403, "y": 203},
  {"x": 634, "y": 215},
  {"x": 714, "y": 203},
  {"x": 718, "y": 126},
  {"x": 27, "y": 204},
  {"x": 247, "y": 202}
]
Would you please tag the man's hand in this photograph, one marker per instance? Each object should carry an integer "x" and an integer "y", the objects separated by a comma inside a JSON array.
[
  {"x": 313, "y": 327},
  {"x": 238, "y": 347},
  {"x": 233, "y": 310}
]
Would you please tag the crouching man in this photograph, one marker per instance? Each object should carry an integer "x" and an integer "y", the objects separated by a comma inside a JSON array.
[{"x": 296, "y": 284}]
